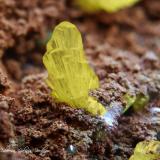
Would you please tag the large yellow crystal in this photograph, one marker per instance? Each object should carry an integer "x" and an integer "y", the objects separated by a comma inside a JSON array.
[
  {"x": 69, "y": 75},
  {"x": 106, "y": 5},
  {"x": 147, "y": 150}
]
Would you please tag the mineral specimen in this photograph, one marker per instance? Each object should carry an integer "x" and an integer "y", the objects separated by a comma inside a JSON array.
[
  {"x": 137, "y": 102},
  {"x": 147, "y": 150},
  {"x": 69, "y": 75},
  {"x": 106, "y": 5}
]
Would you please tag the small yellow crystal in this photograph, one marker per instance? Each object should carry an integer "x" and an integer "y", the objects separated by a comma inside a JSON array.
[
  {"x": 147, "y": 150},
  {"x": 106, "y": 5},
  {"x": 69, "y": 75}
]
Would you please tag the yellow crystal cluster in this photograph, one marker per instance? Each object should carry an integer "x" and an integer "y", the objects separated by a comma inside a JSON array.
[
  {"x": 106, "y": 5},
  {"x": 69, "y": 75},
  {"x": 147, "y": 150}
]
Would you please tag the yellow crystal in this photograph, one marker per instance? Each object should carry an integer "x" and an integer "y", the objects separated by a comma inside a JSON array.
[
  {"x": 147, "y": 150},
  {"x": 69, "y": 75},
  {"x": 106, "y": 5}
]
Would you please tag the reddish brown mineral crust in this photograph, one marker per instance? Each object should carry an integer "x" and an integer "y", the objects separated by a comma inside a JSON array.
[{"x": 124, "y": 55}]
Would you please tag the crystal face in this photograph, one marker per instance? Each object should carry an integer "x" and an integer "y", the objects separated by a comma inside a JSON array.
[{"x": 69, "y": 75}]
